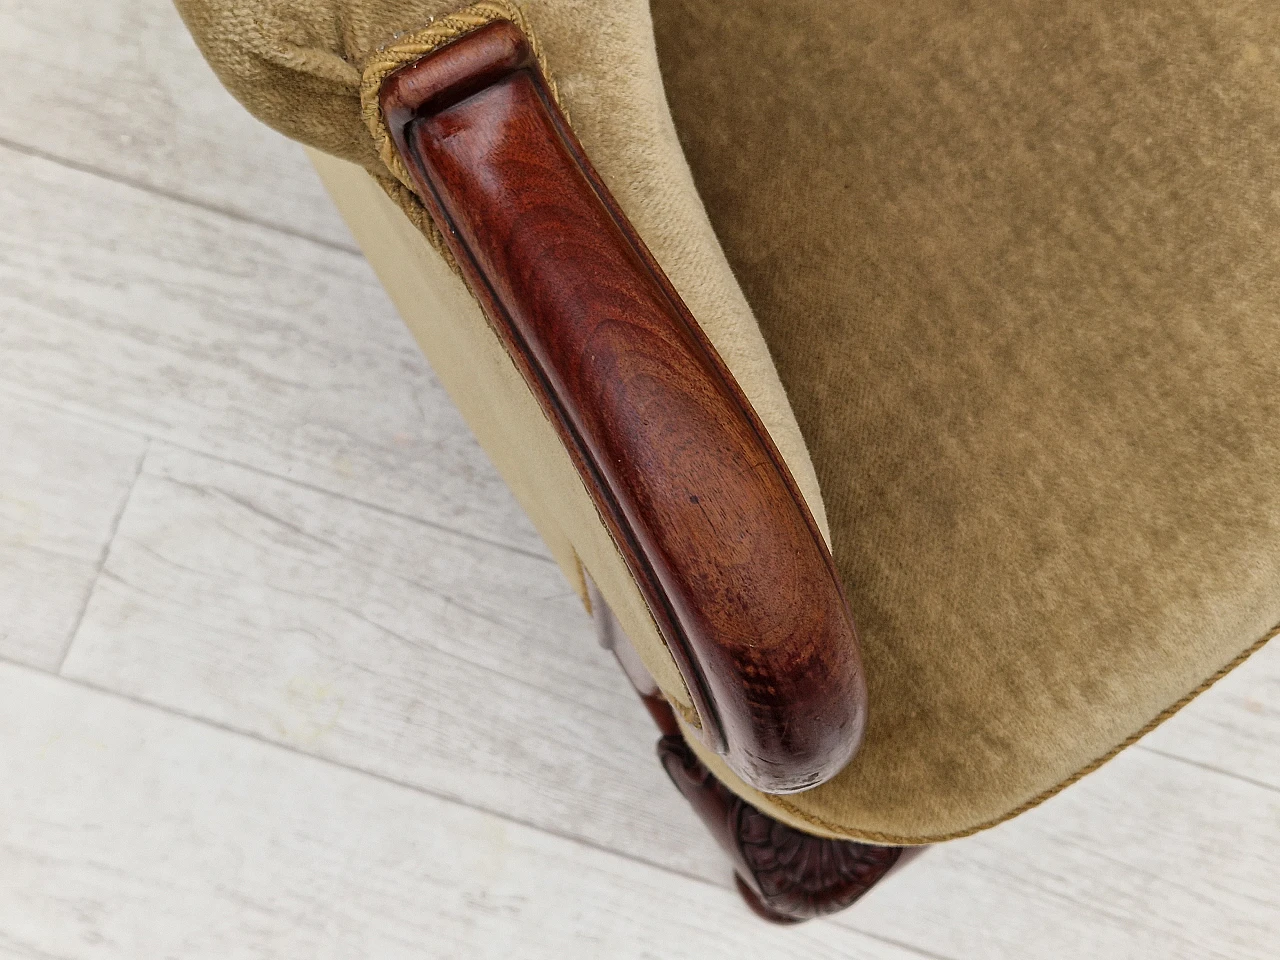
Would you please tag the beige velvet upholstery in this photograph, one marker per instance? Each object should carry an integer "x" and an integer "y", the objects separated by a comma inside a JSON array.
[{"x": 1019, "y": 268}]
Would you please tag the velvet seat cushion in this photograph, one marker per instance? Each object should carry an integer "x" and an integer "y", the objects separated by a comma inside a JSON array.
[{"x": 1018, "y": 266}]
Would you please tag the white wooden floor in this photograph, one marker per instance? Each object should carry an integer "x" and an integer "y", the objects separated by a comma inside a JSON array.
[{"x": 285, "y": 673}]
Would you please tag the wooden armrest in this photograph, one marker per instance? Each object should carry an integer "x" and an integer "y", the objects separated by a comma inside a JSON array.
[{"x": 698, "y": 500}]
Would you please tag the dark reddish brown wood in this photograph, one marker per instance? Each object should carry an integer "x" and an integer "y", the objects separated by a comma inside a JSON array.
[
  {"x": 785, "y": 876},
  {"x": 699, "y": 501}
]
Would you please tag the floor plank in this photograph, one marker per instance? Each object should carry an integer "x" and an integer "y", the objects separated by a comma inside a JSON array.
[
  {"x": 234, "y": 340},
  {"x": 110, "y": 853},
  {"x": 381, "y": 643},
  {"x": 136, "y": 101},
  {"x": 63, "y": 483}
]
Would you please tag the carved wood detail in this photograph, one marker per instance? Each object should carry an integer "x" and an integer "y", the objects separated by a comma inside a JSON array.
[
  {"x": 786, "y": 876},
  {"x": 699, "y": 501}
]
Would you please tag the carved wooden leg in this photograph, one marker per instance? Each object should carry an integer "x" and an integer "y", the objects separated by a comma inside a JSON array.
[{"x": 784, "y": 874}]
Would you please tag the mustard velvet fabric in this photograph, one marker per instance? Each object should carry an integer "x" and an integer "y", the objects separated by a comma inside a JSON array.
[{"x": 1018, "y": 265}]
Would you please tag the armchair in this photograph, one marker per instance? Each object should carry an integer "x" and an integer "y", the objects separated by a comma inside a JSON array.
[{"x": 993, "y": 292}]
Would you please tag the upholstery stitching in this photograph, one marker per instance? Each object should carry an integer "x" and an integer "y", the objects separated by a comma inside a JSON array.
[{"x": 404, "y": 49}]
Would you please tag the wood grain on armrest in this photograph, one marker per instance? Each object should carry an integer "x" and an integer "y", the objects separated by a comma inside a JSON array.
[{"x": 697, "y": 498}]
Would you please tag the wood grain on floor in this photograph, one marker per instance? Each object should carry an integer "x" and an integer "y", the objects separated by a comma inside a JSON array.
[
  {"x": 231, "y": 339},
  {"x": 297, "y": 678},
  {"x": 63, "y": 484},
  {"x": 162, "y": 837}
]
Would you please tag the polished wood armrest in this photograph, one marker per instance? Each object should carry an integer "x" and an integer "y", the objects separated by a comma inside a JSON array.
[{"x": 696, "y": 496}]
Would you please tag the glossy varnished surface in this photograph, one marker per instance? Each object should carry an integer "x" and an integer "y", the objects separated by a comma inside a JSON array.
[{"x": 694, "y": 492}]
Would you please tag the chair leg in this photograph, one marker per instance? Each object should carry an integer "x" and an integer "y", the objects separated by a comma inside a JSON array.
[{"x": 784, "y": 874}]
